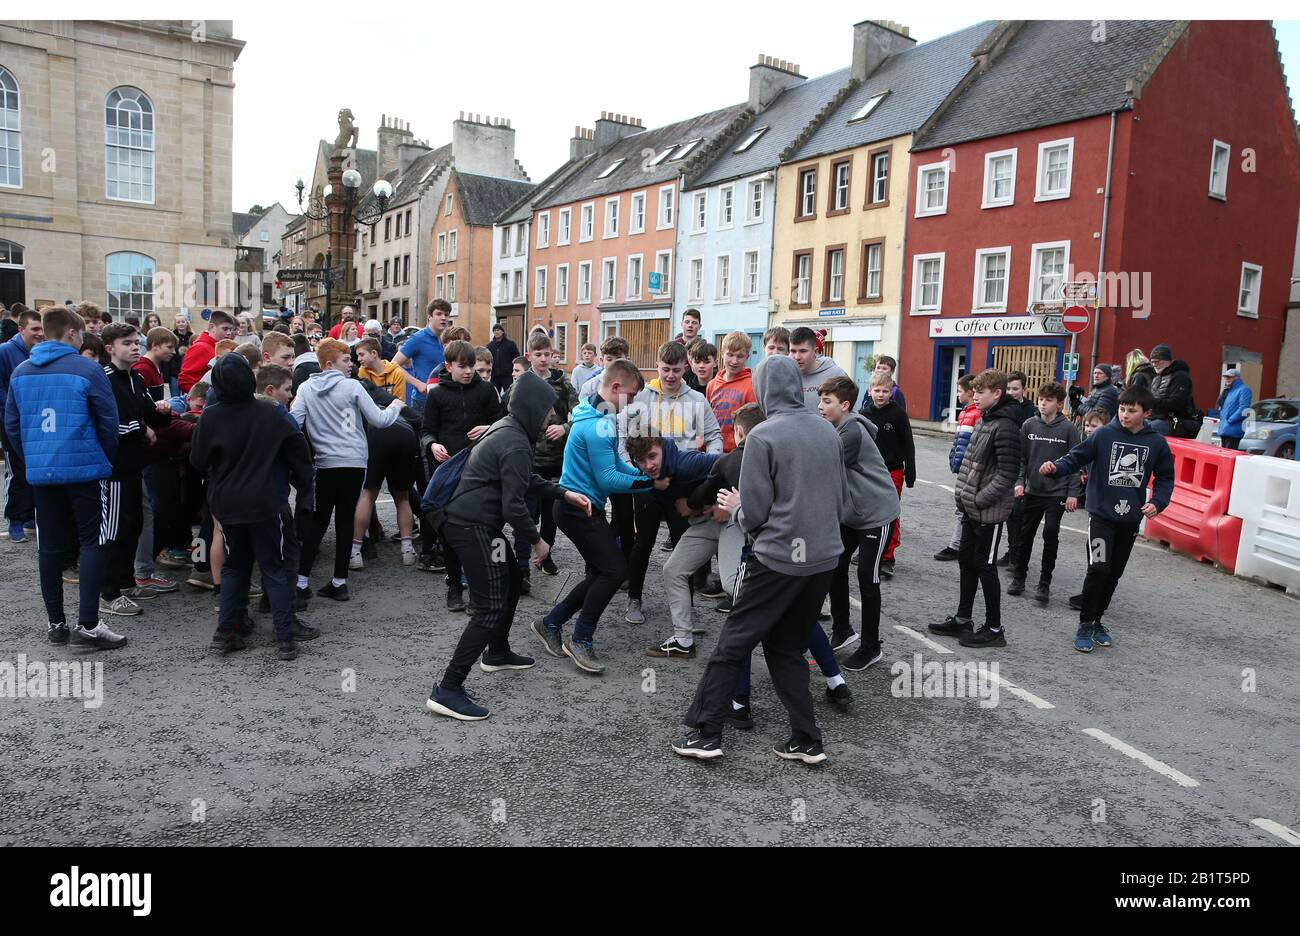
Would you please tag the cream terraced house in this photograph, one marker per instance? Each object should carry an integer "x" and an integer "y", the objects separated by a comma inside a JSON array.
[{"x": 115, "y": 163}]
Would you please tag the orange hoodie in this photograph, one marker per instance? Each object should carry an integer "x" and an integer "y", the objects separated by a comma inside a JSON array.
[{"x": 728, "y": 395}]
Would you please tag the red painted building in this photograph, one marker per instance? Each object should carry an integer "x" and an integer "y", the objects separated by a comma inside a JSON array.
[{"x": 1008, "y": 198}]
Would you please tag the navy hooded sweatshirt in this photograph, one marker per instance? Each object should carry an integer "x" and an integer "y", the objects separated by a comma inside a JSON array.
[{"x": 1122, "y": 463}]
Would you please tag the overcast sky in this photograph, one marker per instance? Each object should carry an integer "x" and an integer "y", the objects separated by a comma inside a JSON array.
[{"x": 546, "y": 66}]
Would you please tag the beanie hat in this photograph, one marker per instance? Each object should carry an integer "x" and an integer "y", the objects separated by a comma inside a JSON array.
[{"x": 1162, "y": 352}]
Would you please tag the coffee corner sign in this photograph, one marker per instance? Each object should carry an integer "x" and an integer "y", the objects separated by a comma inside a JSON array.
[{"x": 997, "y": 326}]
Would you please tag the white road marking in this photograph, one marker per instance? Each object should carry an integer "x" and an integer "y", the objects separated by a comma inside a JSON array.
[
  {"x": 936, "y": 647},
  {"x": 1276, "y": 828},
  {"x": 1136, "y": 544},
  {"x": 936, "y": 484},
  {"x": 1019, "y": 693},
  {"x": 1127, "y": 749}
]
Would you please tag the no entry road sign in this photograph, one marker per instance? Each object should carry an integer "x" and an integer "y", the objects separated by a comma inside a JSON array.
[{"x": 1075, "y": 319}]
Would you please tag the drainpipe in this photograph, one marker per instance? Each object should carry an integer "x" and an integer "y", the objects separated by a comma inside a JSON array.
[{"x": 1101, "y": 251}]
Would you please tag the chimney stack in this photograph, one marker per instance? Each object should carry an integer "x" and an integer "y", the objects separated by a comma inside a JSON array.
[
  {"x": 393, "y": 134},
  {"x": 769, "y": 78},
  {"x": 582, "y": 143},
  {"x": 876, "y": 40},
  {"x": 484, "y": 145},
  {"x": 611, "y": 128}
]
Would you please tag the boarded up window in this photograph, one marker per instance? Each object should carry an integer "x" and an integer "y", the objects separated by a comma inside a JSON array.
[
  {"x": 1038, "y": 362},
  {"x": 644, "y": 336}
]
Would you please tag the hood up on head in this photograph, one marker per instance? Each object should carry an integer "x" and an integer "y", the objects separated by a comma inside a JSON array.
[
  {"x": 531, "y": 401},
  {"x": 233, "y": 379},
  {"x": 778, "y": 385}
]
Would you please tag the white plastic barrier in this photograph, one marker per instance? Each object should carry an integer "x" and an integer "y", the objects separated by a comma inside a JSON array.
[{"x": 1266, "y": 496}]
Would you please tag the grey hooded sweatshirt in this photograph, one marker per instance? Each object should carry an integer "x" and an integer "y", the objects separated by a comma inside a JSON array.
[
  {"x": 793, "y": 489},
  {"x": 822, "y": 371},
  {"x": 873, "y": 499},
  {"x": 331, "y": 408},
  {"x": 500, "y": 468}
]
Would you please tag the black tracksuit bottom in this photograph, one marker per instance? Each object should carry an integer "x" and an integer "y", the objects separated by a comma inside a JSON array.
[
  {"x": 337, "y": 492},
  {"x": 976, "y": 557},
  {"x": 494, "y": 588},
  {"x": 1037, "y": 509},
  {"x": 1110, "y": 545},
  {"x": 777, "y": 611}
]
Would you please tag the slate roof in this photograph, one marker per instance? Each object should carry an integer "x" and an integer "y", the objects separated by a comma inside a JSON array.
[
  {"x": 585, "y": 184},
  {"x": 1052, "y": 72},
  {"x": 407, "y": 185},
  {"x": 785, "y": 117},
  {"x": 242, "y": 221},
  {"x": 916, "y": 82},
  {"x": 522, "y": 208},
  {"x": 483, "y": 198}
]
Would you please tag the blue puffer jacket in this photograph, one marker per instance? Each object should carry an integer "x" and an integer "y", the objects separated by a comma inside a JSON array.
[
  {"x": 12, "y": 353},
  {"x": 1233, "y": 412},
  {"x": 61, "y": 417}
]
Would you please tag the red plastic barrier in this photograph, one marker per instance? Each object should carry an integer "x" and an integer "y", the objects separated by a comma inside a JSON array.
[{"x": 1196, "y": 521}]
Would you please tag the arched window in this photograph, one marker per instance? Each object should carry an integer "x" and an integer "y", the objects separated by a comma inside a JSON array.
[
  {"x": 11, "y": 137},
  {"x": 130, "y": 284},
  {"x": 128, "y": 145},
  {"x": 11, "y": 254}
]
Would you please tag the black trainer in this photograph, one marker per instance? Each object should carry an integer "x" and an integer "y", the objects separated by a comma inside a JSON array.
[
  {"x": 59, "y": 633},
  {"x": 723, "y": 606},
  {"x": 228, "y": 641},
  {"x": 712, "y": 588},
  {"x": 455, "y": 599},
  {"x": 1005, "y": 561},
  {"x": 841, "y": 640},
  {"x": 509, "y": 660},
  {"x": 1042, "y": 592},
  {"x": 984, "y": 637},
  {"x": 951, "y": 626},
  {"x": 1076, "y": 602},
  {"x": 947, "y": 554},
  {"x": 698, "y": 746},
  {"x": 286, "y": 650},
  {"x": 862, "y": 658},
  {"x": 303, "y": 631},
  {"x": 810, "y": 752},
  {"x": 887, "y": 569},
  {"x": 741, "y": 718},
  {"x": 300, "y": 598},
  {"x": 337, "y": 592},
  {"x": 841, "y": 697},
  {"x": 672, "y": 648},
  {"x": 1017, "y": 587},
  {"x": 549, "y": 566},
  {"x": 526, "y": 586}
]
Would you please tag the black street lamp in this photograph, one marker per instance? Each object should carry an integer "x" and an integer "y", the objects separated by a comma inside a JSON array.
[{"x": 319, "y": 208}]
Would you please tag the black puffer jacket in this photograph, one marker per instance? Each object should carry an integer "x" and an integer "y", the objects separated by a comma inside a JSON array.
[
  {"x": 1173, "y": 392},
  {"x": 986, "y": 481},
  {"x": 1143, "y": 376}
]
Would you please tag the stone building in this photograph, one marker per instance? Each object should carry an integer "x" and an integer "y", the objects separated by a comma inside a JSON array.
[{"x": 115, "y": 163}]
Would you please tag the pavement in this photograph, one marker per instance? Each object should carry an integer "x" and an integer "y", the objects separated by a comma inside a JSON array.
[{"x": 1183, "y": 733}]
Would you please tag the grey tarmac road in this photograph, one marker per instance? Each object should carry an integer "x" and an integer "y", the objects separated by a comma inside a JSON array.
[{"x": 1151, "y": 742}]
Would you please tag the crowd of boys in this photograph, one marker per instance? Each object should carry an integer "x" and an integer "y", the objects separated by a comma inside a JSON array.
[{"x": 116, "y": 458}]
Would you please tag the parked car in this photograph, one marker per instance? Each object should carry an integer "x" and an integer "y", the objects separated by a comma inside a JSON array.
[{"x": 1271, "y": 427}]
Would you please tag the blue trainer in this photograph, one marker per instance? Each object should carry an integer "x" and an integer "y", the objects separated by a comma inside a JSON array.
[
  {"x": 455, "y": 704},
  {"x": 1083, "y": 638},
  {"x": 1100, "y": 636},
  {"x": 16, "y": 533}
]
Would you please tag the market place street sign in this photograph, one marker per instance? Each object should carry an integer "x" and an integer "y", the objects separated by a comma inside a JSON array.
[{"x": 997, "y": 326}]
